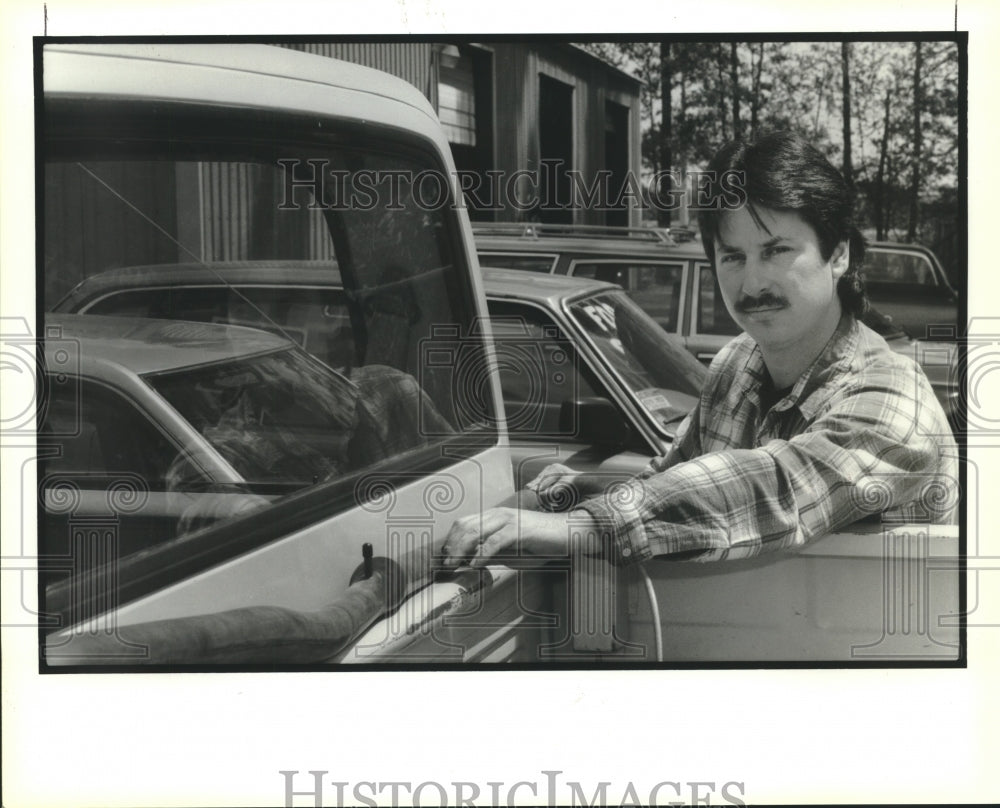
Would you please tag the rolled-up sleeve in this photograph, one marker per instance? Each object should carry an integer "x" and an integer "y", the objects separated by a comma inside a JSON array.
[{"x": 859, "y": 458}]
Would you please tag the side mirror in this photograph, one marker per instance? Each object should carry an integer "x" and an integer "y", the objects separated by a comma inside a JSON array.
[{"x": 594, "y": 420}]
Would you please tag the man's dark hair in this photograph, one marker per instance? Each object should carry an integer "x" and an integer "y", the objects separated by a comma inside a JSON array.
[{"x": 784, "y": 172}]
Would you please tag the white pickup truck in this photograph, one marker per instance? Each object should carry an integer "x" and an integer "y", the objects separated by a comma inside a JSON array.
[{"x": 246, "y": 518}]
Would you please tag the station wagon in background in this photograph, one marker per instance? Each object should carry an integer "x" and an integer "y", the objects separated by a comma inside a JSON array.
[
  {"x": 674, "y": 282},
  {"x": 179, "y": 154},
  {"x": 908, "y": 284}
]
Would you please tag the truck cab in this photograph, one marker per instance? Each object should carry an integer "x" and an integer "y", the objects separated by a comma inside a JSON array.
[{"x": 197, "y": 154}]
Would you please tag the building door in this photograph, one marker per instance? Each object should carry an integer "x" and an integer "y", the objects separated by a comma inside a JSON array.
[
  {"x": 616, "y": 161},
  {"x": 555, "y": 140}
]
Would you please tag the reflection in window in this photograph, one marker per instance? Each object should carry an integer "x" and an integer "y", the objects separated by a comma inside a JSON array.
[
  {"x": 102, "y": 434},
  {"x": 292, "y": 226},
  {"x": 539, "y": 369},
  {"x": 102, "y": 458},
  {"x": 276, "y": 418},
  {"x": 316, "y": 319}
]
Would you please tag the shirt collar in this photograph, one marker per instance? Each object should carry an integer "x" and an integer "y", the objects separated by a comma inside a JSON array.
[{"x": 835, "y": 357}]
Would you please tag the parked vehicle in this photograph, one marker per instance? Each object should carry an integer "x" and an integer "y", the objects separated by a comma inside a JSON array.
[
  {"x": 582, "y": 367},
  {"x": 614, "y": 387},
  {"x": 648, "y": 264},
  {"x": 185, "y": 426},
  {"x": 675, "y": 284},
  {"x": 908, "y": 284}
]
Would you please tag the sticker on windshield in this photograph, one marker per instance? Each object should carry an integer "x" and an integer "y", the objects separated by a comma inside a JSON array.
[
  {"x": 602, "y": 315},
  {"x": 654, "y": 401}
]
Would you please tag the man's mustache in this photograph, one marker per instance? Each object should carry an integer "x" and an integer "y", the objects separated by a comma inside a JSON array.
[{"x": 765, "y": 300}]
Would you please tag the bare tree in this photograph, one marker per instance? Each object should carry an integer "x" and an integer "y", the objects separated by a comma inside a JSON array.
[
  {"x": 720, "y": 63},
  {"x": 911, "y": 227},
  {"x": 666, "y": 128},
  {"x": 756, "y": 71},
  {"x": 845, "y": 62},
  {"x": 734, "y": 74},
  {"x": 881, "y": 217}
]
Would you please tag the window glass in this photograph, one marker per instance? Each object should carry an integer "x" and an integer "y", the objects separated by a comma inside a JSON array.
[
  {"x": 274, "y": 418},
  {"x": 539, "y": 369},
  {"x": 102, "y": 434},
  {"x": 104, "y": 478},
  {"x": 654, "y": 365},
  {"x": 527, "y": 263},
  {"x": 655, "y": 287},
  {"x": 457, "y": 96},
  {"x": 225, "y": 242},
  {"x": 898, "y": 267},
  {"x": 317, "y": 319}
]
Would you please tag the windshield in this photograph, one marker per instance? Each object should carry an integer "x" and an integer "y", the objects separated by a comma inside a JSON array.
[{"x": 653, "y": 364}]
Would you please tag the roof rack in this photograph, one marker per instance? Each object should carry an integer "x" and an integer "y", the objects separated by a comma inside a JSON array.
[
  {"x": 536, "y": 230},
  {"x": 683, "y": 233}
]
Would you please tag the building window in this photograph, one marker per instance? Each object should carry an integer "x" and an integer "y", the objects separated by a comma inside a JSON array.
[{"x": 457, "y": 96}]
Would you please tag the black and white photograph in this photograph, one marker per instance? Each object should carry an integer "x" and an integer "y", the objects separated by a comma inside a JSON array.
[{"x": 377, "y": 385}]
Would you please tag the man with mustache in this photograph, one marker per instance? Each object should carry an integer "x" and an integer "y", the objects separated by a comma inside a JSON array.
[{"x": 804, "y": 416}]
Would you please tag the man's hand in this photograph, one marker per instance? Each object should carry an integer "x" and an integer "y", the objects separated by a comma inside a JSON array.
[
  {"x": 560, "y": 488},
  {"x": 553, "y": 475},
  {"x": 504, "y": 534}
]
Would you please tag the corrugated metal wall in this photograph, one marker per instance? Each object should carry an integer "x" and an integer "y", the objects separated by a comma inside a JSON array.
[
  {"x": 227, "y": 190},
  {"x": 412, "y": 61},
  {"x": 106, "y": 215}
]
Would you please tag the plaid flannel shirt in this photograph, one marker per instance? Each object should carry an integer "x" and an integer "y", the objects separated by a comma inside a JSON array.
[{"x": 860, "y": 433}]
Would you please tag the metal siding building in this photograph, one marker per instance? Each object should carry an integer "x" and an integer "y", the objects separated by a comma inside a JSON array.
[{"x": 541, "y": 101}]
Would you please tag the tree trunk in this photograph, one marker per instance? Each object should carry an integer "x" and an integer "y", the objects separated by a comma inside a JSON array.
[
  {"x": 755, "y": 95},
  {"x": 845, "y": 64},
  {"x": 682, "y": 144},
  {"x": 723, "y": 112},
  {"x": 911, "y": 229},
  {"x": 734, "y": 75},
  {"x": 666, "y": 132},
  {"x": 880, "y": 212},
  {"x": 649, "y": 114},
  {"x": 890, "y": 207}
]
